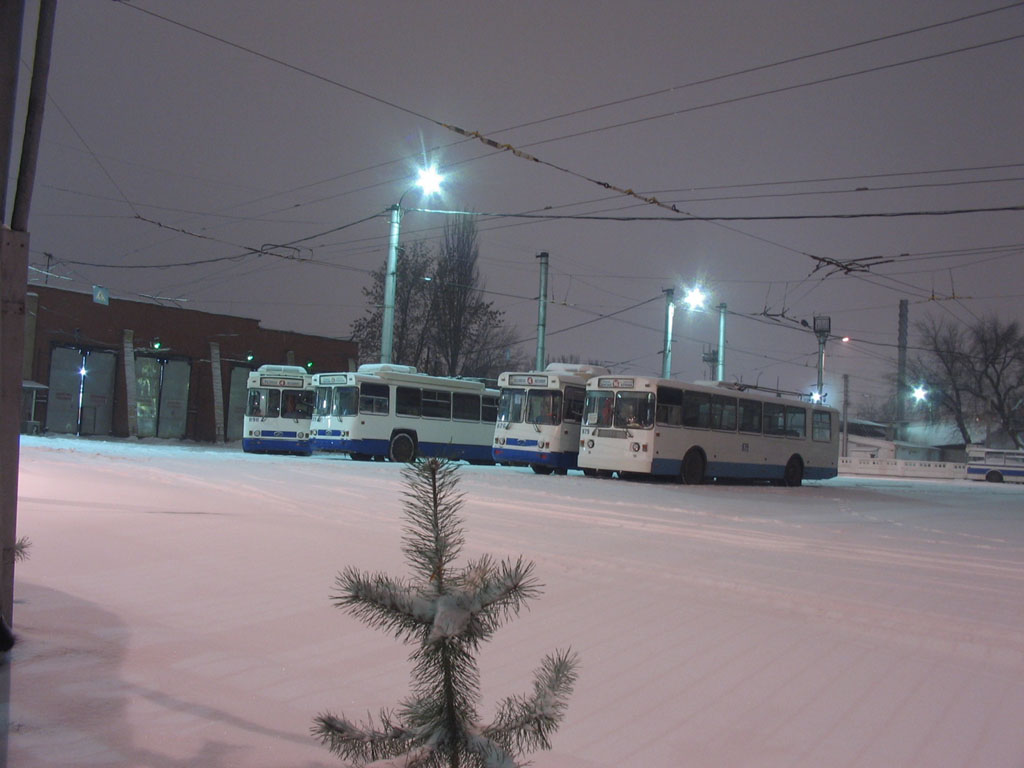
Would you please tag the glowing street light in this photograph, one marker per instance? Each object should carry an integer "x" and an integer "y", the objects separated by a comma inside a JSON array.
[
  {"x": 694, "y": 299},
  {"x": 920, "y": 394},
  {"x": 429, "y": 180}
]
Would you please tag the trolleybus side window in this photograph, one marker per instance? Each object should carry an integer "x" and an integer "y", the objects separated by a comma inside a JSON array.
[
  {"x": 599, "y": 406},
  {"x": 489, "y": 408},
  {"x": 346, "y": 401},
  {"x": 774, "y": 419},
  {"x": 574, "y": 397},
  {"x": 465, "y": 407},
  {"x": 670, "y": 406},
  {"x": 510, "y": 409},
  {"x": 437, "y": 404},
  {"x": 407, "y": 401},
  {"x": 634, "y": 409},
  {"x": 796, "y": 421},
  {"x": 696, "y": 409},
  {"x": 723, "y": 413},
  {"x": 373, "y": 398},
  {"x": 821, "y": 426},
  {"x": 543, "y": 406},
  {"x": 750, "y": 416}
]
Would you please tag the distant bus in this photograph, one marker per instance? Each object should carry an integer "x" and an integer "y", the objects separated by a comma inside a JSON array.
[
  {"x": 995, "y": 465},
  {"x": 635, "y": 425},
  {"x": 278, "y": 410},
  {"x": 391, "y": 411},
  {"x": 539, "y": 417}
]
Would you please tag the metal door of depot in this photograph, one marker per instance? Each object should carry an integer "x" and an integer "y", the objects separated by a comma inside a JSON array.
[
  {"x": 174, "y": 399},
  {"x": 65, "y": 384},
  {"x": 147, "y": 394},
  {"x": 81, "y": 396},
  {"x": 236, "y": 402},
  {"x": 98, "y": 393}
]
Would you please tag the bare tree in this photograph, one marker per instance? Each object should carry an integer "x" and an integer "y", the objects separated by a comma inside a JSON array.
[
  {"x": 412, "y": 305},
  {"x": 945, "y": 363},
  {"x": 998, "y": 353},
  {"x": 443, "y": 325}
]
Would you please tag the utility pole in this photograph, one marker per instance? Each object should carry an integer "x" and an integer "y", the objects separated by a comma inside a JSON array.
[
  {"x": 542, "y": 310},
  {"x": 14, "y": 259},
  {"x": 822, "y": 329},
  {"x": 901, "y": 369},
  {"x": 720, "y": 375},
  {"x": 670, "y": 313},
  {"x": 846, "y": 416}
]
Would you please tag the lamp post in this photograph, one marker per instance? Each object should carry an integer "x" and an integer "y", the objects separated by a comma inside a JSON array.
[
  {"x": 822, "y": 329},
  {"x": 429, "y": 181},
  {"x": 670, "y": 313},
  {"x": 694, "y": 300}
]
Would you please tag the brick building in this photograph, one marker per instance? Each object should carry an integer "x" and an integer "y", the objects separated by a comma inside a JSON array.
[{"x": 150, "y": 370}]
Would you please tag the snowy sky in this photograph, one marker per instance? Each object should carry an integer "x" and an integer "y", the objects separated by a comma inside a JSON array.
[
  {"x": 194, "y": 132},
  {"x": 175, "y": 612}
]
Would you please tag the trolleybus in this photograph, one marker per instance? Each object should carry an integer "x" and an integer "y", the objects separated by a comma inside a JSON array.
[
  {"x": 995, "y": 465},
  {"x": 539, "y": 417},
  {"x": 278, "y": 410},
  {"x": 635, "y": 425},
  {"x": 394, "y": 412}
]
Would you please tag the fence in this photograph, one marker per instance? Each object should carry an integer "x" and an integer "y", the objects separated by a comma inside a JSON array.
[{"x": 946, "y": 470}]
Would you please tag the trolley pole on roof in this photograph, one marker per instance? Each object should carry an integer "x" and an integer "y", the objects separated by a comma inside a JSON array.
[
  {"x": 670, "y": 313},
  {"x": 542, "y": 310}
]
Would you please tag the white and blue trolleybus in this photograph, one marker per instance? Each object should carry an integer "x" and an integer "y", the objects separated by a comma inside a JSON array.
[
  {"x": 996, "y": 465},
  {"x": 539, "y": 417},
  {"x": 635, "y": 425},
  {"x": 278, "y": 410},
  {"x": 392, "y": 411}
]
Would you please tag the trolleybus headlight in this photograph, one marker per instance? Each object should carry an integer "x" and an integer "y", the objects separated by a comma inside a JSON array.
[
  {"x": 635, "y": 447},
  {"x": 590, "y": 443},
  {"x": 256, "y": 433}
]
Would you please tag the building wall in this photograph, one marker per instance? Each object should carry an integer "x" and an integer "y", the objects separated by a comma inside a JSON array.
[{"x": 59, "y": 318}]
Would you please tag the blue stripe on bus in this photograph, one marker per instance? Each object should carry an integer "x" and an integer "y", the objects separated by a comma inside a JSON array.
[
  {"x": 981, "y": 472},
  {"x": 381, "y": 448},
  {"x": 276, "y": 445},
  {"x": 520, "y": 442},
  {"x": 545, "y": 458},
  {"x": 673, "y": 467}
]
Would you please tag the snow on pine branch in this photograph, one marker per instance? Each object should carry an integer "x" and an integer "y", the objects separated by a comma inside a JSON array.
[{"x": 445, "y": 613}]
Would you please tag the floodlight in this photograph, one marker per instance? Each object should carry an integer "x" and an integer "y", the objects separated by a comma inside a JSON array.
[
  {"x": 429, "y": 180},
  {"x": 694, "y": 299}
]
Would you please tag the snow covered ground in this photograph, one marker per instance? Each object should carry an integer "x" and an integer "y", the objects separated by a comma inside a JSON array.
[{"x": 174, "y": 612}]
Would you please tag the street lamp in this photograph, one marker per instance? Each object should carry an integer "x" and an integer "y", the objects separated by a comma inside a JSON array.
[
  {"x": 670, "y": 313},
  {"x": 920, "y": 394},
  {"x": 429, "y": 180},
  {"x": 694, "y": 301}
]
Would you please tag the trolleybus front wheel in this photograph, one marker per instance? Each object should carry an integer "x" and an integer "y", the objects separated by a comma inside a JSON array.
[{"x": 402, "y": 449}]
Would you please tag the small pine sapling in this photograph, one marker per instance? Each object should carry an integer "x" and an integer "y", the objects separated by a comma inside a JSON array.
[{"x": 446, "y": 613}]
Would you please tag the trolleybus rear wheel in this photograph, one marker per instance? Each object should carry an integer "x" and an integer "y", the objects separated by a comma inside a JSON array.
[{"x": 693, "y": 467}]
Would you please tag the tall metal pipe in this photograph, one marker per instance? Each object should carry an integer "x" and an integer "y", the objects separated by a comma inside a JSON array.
[
  {"x": 542, "y": 310},
  {"x": 670, "y": 313},
  {"x": 721, "y": 342},
  {"x": 387, "y": 328}
]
